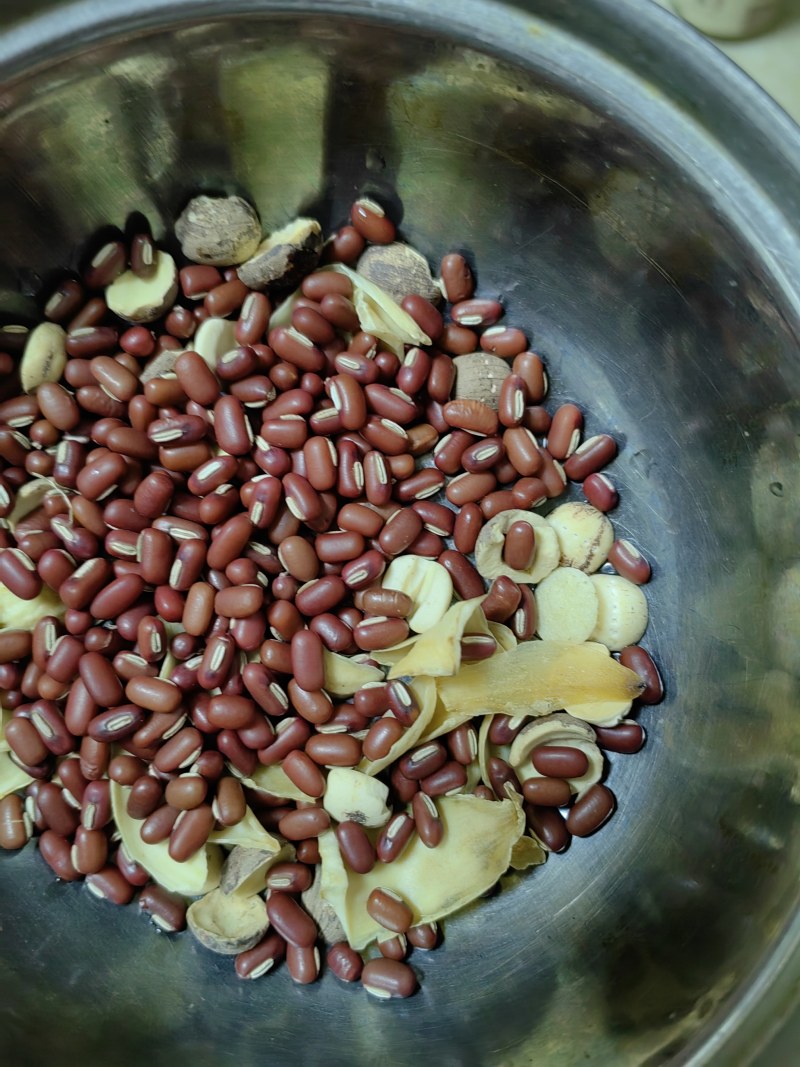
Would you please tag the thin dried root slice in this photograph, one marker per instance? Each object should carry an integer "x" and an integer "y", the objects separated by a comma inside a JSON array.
[
  {"x": 199, "y": 874},
  {"x": 537, "y": 678},
  {"x": 285, "y": 257},
  {"x": 437, "y": 652},
  {"x": 344, "y": 675},
  {"x": 428, "y": 584},
  {"x": 213, "y": 339},
  {"x": 29, "y": 497},
  {"x": 45, "y": 356},
  {"x": 378, "y": 314},
  {"x": 479, "y": 836},
  {"x": 503, "y": 635},
  {"x": 584, "y": 535},
  {"x": 21, "y": 614},
  {"x": 227, "y": 923},
  {"x": 566, "y": 606},
  {"x": 527, "y": 852},
  {"x": 353, "y": 796},
  {"x": 12, "y": 777},
  {"x": 622, "y": 611},
  {"x": 274, "y": 780},
  {"x": 489, "y": 547},
  {"x": 424, "y": 689},
  {"x": 245, "y": 870},
  {"x": 139, "y": 299},
  {"x": 5, "y": 716},
  {"x": 248, "y": 833},
  {"x": 558, "y": 729}
]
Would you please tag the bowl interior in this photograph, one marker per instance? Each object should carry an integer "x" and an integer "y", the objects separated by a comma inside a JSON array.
[{"x": 646, "y": 291}]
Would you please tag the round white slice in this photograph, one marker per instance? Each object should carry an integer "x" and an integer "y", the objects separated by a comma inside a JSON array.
[
  {"x": 622, "y": 611},
  {"x": 427, "y": 583},
  {"x": 584, "y": 535},
  {"x": 566, "y": 603}
]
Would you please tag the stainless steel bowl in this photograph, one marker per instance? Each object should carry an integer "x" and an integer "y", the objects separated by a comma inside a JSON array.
[{"x": 636, "y": 202}]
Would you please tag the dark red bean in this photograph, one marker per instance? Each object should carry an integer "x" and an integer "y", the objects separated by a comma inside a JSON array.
[
  {"x": 457, "y": 280},
  {"x": 591, "y": 811},
  {"x": 303, "y": 823},
  {"x": 549, "y": 826},
  {"x": 166, "y": 910},
  {"x": 256, "y": 961},
  {"x": 641, "y": 662},
  {"x": 601, "y": 492},
  {"x": 387, "y": 978},
  {"x": 547, "y": 792},
  {"x": 356, "y": 848},
  {"x": 559, "y": 761},
  {"x": 627, "y": 560},
  {"x": 370, "y": 220},
  {"x": 345, "y": 962},
  {"x": 626, "y": 738},
  {"x": 55, "y": 851},
  {"x": 290, "y": 920}
]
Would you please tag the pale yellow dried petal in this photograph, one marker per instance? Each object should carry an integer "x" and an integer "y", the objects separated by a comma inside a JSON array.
[
  {"x": 344, "y": 676},
  {"x": 197, "y": 875},
  {"x": 424, "y": 689},
  {"x": 479, "y": 837},
  {"x": 12, "y": 777},
  {"x": 537, "y": 678},
  {"x": 437, "y": 652}
]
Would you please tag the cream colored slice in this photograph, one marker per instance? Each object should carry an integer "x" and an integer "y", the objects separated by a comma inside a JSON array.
[
  {"x": 566, "y": 606},
  {"x": 437, "y": 652},
  {"x": 622, "y": 611},
  {"x": 537, "y": 678},
  {"x": 379, "y": 314},
  {"x": 18, "y": 614},
  {"x": 12, "y": 777},
  {"x": 428, "y": 584},
  {"x": 199, "y": 874},
  {"x": 353, "y": 796},
  {"x": 344, "y": 675},
  {"x": 44, "y": 357},
  {"x": 274, "y": 780},
  {"x": 29, "y": 497},
  {"x": 479, "y": 836},
  {"x": 584, "y": 535},
  {"x": 602, "y": 712},
  {"x": 489, "y": 547},
  {"x": 213, "y": 339},
  {"x": 527, "y": 852},
  {"x": 503, "y": 635},
  {"x": 248, "y": 833},
  {"x": 144, "y": 299}
]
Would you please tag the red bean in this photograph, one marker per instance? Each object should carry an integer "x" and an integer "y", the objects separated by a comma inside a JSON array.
[
  {"x": 344, "y": 962},
  {"x": 356, "y": 848},
  {"x": 559, "y": 761},
  {"x": 591, "y": 811},
  {"x": 549, "y": 826},
  {"x": 426, "y": 316},
  {"x": 290, "y": 920},
  {"x": 601, "y": 492},
  {"x": 467, "y": 582},
  {"x": 190, "y": 832},
  {"x": 389, "y": 910},
  {"x": 547, "y": 792},
  {"x": 230, "y": 804},
  {"x": 627, "y": 560},
  {"x": 303, "y": 823},
  {"x": 457, "y": 279},
  {"x": 370, "y": 220},
  {"x": 628, "y": 737},
  {"x": 386, "y": 978},
  {"x": 641, "y": 662}
]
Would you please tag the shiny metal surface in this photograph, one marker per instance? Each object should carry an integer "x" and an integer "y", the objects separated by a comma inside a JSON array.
[{"x": 636, "y": 201}]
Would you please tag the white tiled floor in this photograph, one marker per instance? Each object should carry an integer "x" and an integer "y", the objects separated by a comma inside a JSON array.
[{"x": 772, "y": 59}]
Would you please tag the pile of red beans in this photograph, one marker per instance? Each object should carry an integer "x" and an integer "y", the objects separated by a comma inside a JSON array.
[{"x": 255, "y": 506}]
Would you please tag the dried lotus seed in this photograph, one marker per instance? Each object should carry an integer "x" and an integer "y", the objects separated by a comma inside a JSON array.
[{"x": 566, "y": 605}]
